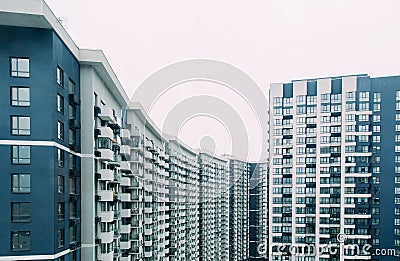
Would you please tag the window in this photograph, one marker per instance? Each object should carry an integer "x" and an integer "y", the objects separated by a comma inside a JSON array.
[
  {"x": 60, "y": 184},
  {"x": 72, "y": 234},
  {"x": 72, "y": 137},
  {"x": 60, "y": 157},
  {"x": 71, "y": 87},
  {"x": 21, "y": 154},
  {"x": 20, "y": 96},
  {"x": 20, "y": 212},
  {"x": 60, "y": 237},
  {"x": 350, "y": 96},
  {"x": 21, "y": 125},
  {"x": 61, "y": 211},
  {"x": 60, "y": 76},
  {"x": 377, "y": 96},
  {"x": 60, "y": 130},
  {"x": 20, "y": 67},
  {"x": 20, "y": 183},
  {"x": 60, "y": 104},
  {"x": 20, "y": 240},
  {"x": 364, "y": 96}
]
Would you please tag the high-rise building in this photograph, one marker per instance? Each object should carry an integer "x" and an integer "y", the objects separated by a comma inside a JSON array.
[
  {"x": 239, "y": 173},
  {"x": 335, "y": 166},
  {"x": 39, "y": 136},
  {"x": 87, "y": 175},
  {"x": 258, "y": 211},
  {"x": 214, "y": 208}
]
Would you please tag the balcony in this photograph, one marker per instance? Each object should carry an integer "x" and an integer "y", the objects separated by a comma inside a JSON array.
[
  {"x": 125, "y": 150},
  {"x": 148, "y": 166},
  {"x": 106, "y": 113},
  {"x": 148, "y": 231},
  {"x": 126, "y": 229},
  {"x": 105, "y": 154},
  {"x": 125, "y": 197},
  {"x": 126, "y": 245},
  {"x": 125, "y": 213},
  {"x": 125, "y": 166},
  {"x": 106, "y": 216},
  {"x": 106, "y": 256},
  {"x": 105, "y": 195},
  {"x": 125, "y": 181},
  {"x": 125, "y": 134},
  {"x": 116, "y": 123},
  {"x": 106, "y": 174},
  {"x": 106, "y": 132},
  {"x": 106, "y": 237},
  {"x": 148, "y": 221}
]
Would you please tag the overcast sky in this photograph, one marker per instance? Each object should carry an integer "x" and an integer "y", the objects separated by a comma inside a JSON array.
[{"x": 272, "y": 41}]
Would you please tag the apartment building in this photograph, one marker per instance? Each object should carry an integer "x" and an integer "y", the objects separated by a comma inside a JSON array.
[
  {"x": 183, "y": 201},
  {"x": 335, "y": 165},
  {"x": 258, "y": 211},
  {"x": 39, "y": 138},
  {"x": 87, "y": 175},
  {"x": 239, "y": 174},
  {"x": 214, "y": 208}
]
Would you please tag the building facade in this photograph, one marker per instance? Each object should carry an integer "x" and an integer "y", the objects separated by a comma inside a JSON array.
[
  {"x": 334, "y": 166},
  {"x": 239, "y": 174},
  {"x": 258, "y": 211},
  {"x": 39, "y": 143},
  {"x": 112, "y": 186},
  {"x": 214, "y": 208}
]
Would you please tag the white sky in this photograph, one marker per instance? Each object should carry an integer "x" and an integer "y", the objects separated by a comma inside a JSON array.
[{"x": 271, "y": 40}]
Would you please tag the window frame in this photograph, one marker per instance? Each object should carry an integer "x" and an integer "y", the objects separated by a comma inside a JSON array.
[
  {"x": 18, "y": 186},
  {"x": 28, "y": 160},
  {"x": 59, "y": 76},
  {"x": 18, "y": 102},
  {"x": 60, "y": 130},
  {"x": 19, "y": 131},
  {"x": 18, "y": 233},
  {"x": 18, "y": 217},
  {"x": 19, "y": 73}
]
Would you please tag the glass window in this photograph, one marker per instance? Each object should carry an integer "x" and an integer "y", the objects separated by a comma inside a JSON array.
[
  {"x": 61, "y": 211},
  {"x": 104, "y": 143},
  {"x": 60, "y": 237},
  {"x": 21, "y": 125},
  {"x": 71, "y": 86},
  {"x": 20, "y": 96},
  {"x": 72, "y": 186},
  {"x": 20, "y": 212},
  {"x": 60, "y": 130},
  {"x": 60, "y": 157},
  {"x": 60, "y": 76},
  {"x": 350, "y": 96},
  {"x": 21, "y": 154},
  {"x": 60, "y": 184},
  {"x": 20, "y": 183},
  {"x": 364, "y": 96},
  {"x": 72, "y": 137},
  {"x": 72, "y": 234},
  {"x": 19, "y": 67},
  {"x": 60, "y": 104},
  {"x": 20, "y": 240}
]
